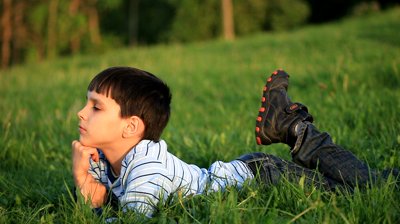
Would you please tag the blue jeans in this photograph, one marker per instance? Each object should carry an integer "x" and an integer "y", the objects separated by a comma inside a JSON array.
[{"x": 317, "y": 159}]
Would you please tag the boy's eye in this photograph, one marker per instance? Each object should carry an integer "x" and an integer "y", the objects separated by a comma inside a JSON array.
[{"x": 96, "y": 108}]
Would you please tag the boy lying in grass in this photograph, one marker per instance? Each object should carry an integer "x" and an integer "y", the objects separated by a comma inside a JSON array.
[{"x": 120, "y": 154}]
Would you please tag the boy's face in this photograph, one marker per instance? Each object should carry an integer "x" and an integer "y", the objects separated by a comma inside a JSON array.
[{"x": 100, "y": 123}]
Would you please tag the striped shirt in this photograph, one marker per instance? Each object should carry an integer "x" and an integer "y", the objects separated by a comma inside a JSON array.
[{"x": 149, "y": 174}]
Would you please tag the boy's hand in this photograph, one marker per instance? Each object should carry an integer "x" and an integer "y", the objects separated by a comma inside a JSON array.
[
  {"x": 80, "y": 160},
  {"x": 89, "y": 187}
]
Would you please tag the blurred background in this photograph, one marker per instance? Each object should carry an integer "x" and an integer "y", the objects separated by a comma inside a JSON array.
[{"x": 35, "y": 30}]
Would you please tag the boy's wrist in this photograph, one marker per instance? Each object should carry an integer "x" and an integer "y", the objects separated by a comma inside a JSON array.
[{"x": 80, "y": 178}]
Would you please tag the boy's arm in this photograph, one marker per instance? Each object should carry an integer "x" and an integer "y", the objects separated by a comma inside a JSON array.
[
  {"x": 89, "y": 187},
  {"x": 148, "y": 184}
]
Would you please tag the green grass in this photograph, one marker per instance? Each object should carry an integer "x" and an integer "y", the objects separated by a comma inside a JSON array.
[{"x": 347, "y": 73}]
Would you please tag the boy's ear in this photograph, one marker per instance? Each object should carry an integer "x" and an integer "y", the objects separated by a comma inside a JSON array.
[{"x": 134, "y": 127}]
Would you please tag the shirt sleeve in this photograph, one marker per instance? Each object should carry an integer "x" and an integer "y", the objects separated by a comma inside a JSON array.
[
  {"x": 233, "y": 173},
  {"x": 146, "y": 184},
  {"x": 98, "y": 169},
  {"x": 95, "y": 170}
]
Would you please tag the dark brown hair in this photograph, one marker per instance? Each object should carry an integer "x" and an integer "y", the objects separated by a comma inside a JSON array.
[{"x": 138, "y": 93}]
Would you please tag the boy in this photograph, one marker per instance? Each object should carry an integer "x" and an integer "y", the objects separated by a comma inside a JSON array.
[{"x": 120, "y": 154}]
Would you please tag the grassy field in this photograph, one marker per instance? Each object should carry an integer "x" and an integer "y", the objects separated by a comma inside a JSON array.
[{"x": 347, "y": 73}]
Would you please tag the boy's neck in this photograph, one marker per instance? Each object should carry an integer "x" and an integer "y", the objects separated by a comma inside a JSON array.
[{"x": 117, "y": 153}]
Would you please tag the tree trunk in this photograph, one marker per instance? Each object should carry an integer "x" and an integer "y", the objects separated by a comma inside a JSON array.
[
  {"x": 227, "y": 19},
  {"x": 52, "y": 29},
  {"x": 74, "y": 6},
  {"x": 20, "y": 32},
  {"x": 94, "y": 27},
  {"x": 75, "y": 39},
  {"x": 133, "y": 21},
  {"x": 7, "y": 33}
]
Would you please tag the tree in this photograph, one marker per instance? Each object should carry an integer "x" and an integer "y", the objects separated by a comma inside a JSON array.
[
  {"x": 6, "y": 25},
  {"x": 227, "y": 20},
  {"x": 133, "y": 21},
  {"x": 196, "y": 20},
  {"x": 94, "y": 26},
  {"x": 75, "y": 40},
  {"x": 52, "y": 29},
  {"x": 20, "y": 32},
  {"x": 250, "y": 15}
]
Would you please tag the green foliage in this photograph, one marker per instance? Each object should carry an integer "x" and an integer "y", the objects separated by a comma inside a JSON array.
[
  {"x": 346, "y": 72},
  {"x": 70, "y": 27},
  {"x": 98, "y": 26},
  {"x": 38, "y": 16},
  {"x": 287, "y": 14},
  {"x": 249, "y": 16},
  {"x": 201, "y": 20},
  {"x": 104, "y": 4},
  {"x": 196, "y": 20},
  {"x": 155, "y": 30},
  {"x": 364, "y": 8}
]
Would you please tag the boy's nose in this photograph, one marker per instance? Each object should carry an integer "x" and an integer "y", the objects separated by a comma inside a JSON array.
[{"x": 81, "y": 114}]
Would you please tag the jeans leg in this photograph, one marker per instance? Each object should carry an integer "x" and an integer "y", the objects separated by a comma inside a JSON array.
[
  {"x": 269, "y": 169},
  {"x": 315, "y": 149}
]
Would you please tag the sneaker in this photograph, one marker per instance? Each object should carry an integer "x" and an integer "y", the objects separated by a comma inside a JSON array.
[{"x": 278, "y": 116}]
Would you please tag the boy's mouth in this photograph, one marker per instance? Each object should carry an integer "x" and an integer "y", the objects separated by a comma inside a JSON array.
[{"x": 81, "y": 129}]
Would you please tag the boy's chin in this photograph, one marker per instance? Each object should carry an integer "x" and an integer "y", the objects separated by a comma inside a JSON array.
[{"x": 86, "y": 142}]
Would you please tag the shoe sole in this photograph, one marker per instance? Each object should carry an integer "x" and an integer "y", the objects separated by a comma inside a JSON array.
[{"x": 261, "y": 139}]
